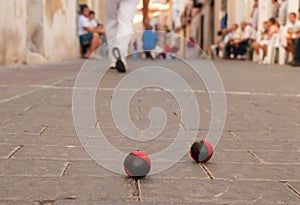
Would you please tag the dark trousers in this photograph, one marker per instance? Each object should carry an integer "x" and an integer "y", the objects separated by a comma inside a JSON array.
[
  {"x": 297, "y": 50},
  {"x": 241, "y": 48},
  {"x": 229, "y": 49}
]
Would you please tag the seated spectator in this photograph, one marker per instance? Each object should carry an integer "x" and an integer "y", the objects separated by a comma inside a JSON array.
[
  {"x": 296, "y": 35},
  {"x": 272, "y": 28},
  {"x": 297, "y": 51},
  {"x": 231, "y": 34},
  {"x": 191, "y": 45},
  {"x": 263, "y": 36},
  {"x": 247, "y": 37},
  {"x": 292, "y": 29},
  {"x": 218, "y": 46},
  {"x": 88, "y": 36},
  {"x": 95, "y": 24},
  {"x": 150, "y": 40}
]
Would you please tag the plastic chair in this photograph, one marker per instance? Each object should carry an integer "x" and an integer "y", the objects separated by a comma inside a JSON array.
[{"x": 272, "y": 47}]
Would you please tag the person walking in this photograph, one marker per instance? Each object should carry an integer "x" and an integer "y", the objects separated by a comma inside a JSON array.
[{"x": 119, "y": 27}]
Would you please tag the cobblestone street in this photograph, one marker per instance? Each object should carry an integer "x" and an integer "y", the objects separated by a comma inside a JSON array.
[{"x": 256, "y": 162}]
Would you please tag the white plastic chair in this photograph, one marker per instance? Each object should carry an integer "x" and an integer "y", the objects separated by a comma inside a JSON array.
[
  {"x": 272, "y": 47},
  {"x": 283, "y": 54},
  {"x": 257, "y": 57},
  {"x": 282, "y": 51}
]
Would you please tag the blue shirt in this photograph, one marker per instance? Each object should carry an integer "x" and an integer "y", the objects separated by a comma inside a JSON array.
[{"x": 150, "y": 40}]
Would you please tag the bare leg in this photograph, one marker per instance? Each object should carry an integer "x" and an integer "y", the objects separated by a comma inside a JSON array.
[
  {"x": 290, "y": 48},
  {"x": 256, "y": 47},
  {"x": 94, "y": 44},
  {"x": 265, "y": 49},
  {"x": 210, "y": 51}
]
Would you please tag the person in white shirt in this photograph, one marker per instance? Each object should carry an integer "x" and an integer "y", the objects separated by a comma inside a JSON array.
[
  {"x": 247, "y": 37},
  {"x": 255, "y": 15},
  {"x": 292, "y": 31},
  {"x": 93, "y": 21},
  {"x": 229, "y": 41},
  {"x": 261, "y": 37},
  {"x": 96, "y": 25},
  {"x": 297, "y": 46},
  {"x": 283, "y": 13},
  {"x": 119, "y": 27},
  {"x": 271, "y": 29},
  {"x": 88, "y": 36}
]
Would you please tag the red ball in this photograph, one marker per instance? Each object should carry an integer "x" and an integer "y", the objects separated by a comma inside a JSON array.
[
  {"x": 137, "y": 165},
  {"x": 201, "y": 151}
]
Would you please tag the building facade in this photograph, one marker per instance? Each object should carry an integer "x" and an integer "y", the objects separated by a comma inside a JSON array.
[
  {"x": 40, "y": 31},
  {"x": 37, "y": 31},
  {"x": 208, "y": 20}
]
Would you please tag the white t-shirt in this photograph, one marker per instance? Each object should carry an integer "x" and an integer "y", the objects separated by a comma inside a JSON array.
[
  {"x": 228, "y": 37},
  {"x": 295, "y": 27},
  {"x": 83, "y": 22},
  {"x": 93, "y": 23},
  {"x": 249, "y": 32}
]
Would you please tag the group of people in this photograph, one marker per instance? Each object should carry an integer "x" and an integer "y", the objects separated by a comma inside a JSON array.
[
  {"x": 92, "y": 36},
  {"x": 90, "y": 32},
  {"x": 236, "y": 42},
  {"x": 118, "y": 29}
]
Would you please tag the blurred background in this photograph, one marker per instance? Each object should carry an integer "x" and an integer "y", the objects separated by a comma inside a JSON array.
[{"x": 41, "y": 31}]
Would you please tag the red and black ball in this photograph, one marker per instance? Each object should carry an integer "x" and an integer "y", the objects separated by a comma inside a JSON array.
[
  {"x": 201, "y": 151},
  {"x": 137, "y": 165}
]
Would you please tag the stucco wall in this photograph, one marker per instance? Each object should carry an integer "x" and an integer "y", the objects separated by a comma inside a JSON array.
[
  {"x": 35, "y": 33},
  {"x": 293, "y": 6},
  {"x": 38, "y": 31},
  {"x": 12, "y": 32},
  {"x": 60, "y": 29}
]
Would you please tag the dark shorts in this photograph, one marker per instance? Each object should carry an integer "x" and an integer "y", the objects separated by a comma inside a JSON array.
[{"x": 86, "y": 39}]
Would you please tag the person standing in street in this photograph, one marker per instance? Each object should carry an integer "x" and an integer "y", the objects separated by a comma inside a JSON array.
[
  {"x": 119, "y": 27},
  {"x": 255, "y": 15},
  {"x": 283, "y": 13},
  {"x": 275, "y": 9}
]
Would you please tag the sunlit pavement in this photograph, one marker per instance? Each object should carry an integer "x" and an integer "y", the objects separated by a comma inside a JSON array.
[{"x": 256, "y": 162}]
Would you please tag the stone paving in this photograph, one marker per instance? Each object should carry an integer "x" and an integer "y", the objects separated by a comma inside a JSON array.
[{"x": 256, "y": 162}]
